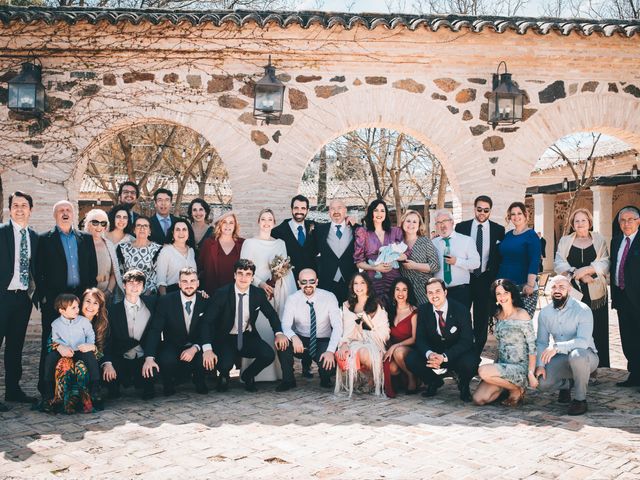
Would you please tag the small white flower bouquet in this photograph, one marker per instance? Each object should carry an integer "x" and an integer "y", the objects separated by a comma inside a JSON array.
[{"x": 389, "y": 254}]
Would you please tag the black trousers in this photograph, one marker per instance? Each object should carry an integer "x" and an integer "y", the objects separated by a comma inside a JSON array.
[
  {"x": 15, "y": 310},
  {"x": 51, "y": 360},
  {"x": 173, "y": 370},
  {"x": 629, "y": 321},
  {"x": 460, "y": 293},
  {"x": 252, "y": 347},
  {"x": 286, "y": 358},
  {"x": 129, "y": 372},
  {"x": 339, "y": 289},
  {"x": 480, "y": 291},
  {"x": 466, "y": 366}
]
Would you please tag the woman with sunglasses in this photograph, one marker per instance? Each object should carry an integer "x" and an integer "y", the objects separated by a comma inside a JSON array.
[
  {"x": 109, "y": 282},
  {"x": 141, "y": 254}
]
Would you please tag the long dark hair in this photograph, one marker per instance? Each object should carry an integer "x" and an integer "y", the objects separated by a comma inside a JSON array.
[
  {"x": 191, "y": 241},
  {"x": 371, "y": 305},
  {"x": 100, "y": 322},
  {"x": 368, "y": 218},
  {"x": 393, "y": 307},
  {"x": 112, "y": 217},
  {"x": 512, "y": 288}
]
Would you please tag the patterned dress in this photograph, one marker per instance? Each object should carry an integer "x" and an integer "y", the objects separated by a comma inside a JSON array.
[
  {"x": 423, "y": 251},
  {"x": 142, "y": 258},
  {"x": 516, "y": 341}
]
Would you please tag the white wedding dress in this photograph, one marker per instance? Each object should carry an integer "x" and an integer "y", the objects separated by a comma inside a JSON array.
[{"x": 262, "y": 252}]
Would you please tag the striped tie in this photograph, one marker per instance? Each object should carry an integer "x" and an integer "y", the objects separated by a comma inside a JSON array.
[
  {"x": 24, "y": 258},
  {"x": 312, "y": 331}
]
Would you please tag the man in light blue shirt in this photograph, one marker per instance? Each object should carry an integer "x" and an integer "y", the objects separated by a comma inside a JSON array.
[{"x": 572, "y": 356}]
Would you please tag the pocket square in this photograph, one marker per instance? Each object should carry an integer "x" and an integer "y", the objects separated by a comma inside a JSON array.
[
  {"x": 453, "y": 330},
  {"x": 201, "y": 314}
]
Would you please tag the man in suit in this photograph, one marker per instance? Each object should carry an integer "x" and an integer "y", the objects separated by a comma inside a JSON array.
[
  {"x": 486, "y": 235},
  {"x": 334, "y": 243},
  {"x": 444, "y": 340},
  {"x": 65, "y": 263},
  {"x": 297, "y": 234},
  {"x": 129, "y": 324},
  {"x": 181, "y": 318},
  {"x": 625, "y": 290},
  {"x": 234, "y": 313},
  {"x": 18, "y": 247},
  {"x": 128, "y": 194},
  {"x": 162, "y": 221}
]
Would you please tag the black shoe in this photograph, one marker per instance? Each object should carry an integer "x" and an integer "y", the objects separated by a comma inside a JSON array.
[
  {"x": 113, "y": 392},
  {"x": 202, "y": 388},
  {"x": 3, "y": 407},
  {"x": 564, "y": 395},
  {"x": 432, "y": 388},
  {"x": 168, "y": 390},
  {"x": 629, "y": 382},
  {"x": 148, "y": 393},
  {"x": 223, "y": 384},
  {"x": 326, "y": 382},
  {"x": 249, "y": 383},
  {"x": 577, "y": 407},
  {"x": 284, "y": 386},
  {"x": 306, "y": 373},
  {"x": 19, "y": 396},
  {"x": 465, "y": 394},
  {"x": 98, "y": 403}
]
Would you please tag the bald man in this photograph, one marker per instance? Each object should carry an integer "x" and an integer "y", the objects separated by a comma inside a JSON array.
[{"x": 65, "y": 263}]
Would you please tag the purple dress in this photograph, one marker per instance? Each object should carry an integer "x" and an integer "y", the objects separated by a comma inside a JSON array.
[{"x": 366, "y": 248}]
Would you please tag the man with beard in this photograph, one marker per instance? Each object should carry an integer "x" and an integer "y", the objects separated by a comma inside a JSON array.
[
  {"x": 128, "y": 194},
  {"x": 297, "y": 234},
  {"x": 313, "y": 322},
  {"x": 572, "y": 356}
]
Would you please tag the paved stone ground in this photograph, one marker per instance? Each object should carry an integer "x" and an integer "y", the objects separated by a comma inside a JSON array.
[{"x": 310, "y": 433}]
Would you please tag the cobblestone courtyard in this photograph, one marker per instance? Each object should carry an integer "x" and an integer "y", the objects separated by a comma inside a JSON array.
[{"x": 310, "y": 433}]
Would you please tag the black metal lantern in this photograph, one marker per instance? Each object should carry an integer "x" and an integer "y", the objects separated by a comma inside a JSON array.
[
  {"x": 269, "y": 95},
  {"x": 26, "y": 92},
  {"x": 506, "y": 101}
]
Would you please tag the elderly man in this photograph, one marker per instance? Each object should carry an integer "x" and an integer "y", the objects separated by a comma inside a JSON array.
[
  {"x": 65, "y": 263},
  {"x": 458, "y": 258},
  {"x": 625, "y": 290},
  {"x": 313, "y": 322},
  {"x": 572, "y": 356}
]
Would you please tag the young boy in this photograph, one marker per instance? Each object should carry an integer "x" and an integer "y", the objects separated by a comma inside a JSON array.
[{"x": 75, "y": 338}]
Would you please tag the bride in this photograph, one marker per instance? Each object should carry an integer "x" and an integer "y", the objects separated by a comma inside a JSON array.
[{"x": 262, "y": 249}]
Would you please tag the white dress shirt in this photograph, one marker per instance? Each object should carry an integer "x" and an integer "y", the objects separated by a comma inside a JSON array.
[
  {"x": 15, "y": 283},
  {"x": 620, "y": 252},
  {"x": 486, "y": 240},
  {"x": 467, "y": 258},
  {"x": 245, "y": 312},
  {"x": 138, "y": 316},
  {"x": 293, "y": 225},
  {"x": 296, "y": 319}
]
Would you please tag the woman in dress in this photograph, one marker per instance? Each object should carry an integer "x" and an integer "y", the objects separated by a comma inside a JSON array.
[
  {"x": 365, "y": 333},
  {"x": 175, "y": 255},
  {"x": 262, "y": 250},
  {"x": 403, "y": 321},
  {"x": 109, "y": 281},
  {"x": 377, "y": 232},
  {"x": 422, "y": 258},
  {"x": 219, "y": 253},
  {"x": 516, "y": 362},
  {"x": 583, "y": 256},
  {"x": 198, "y": 213},
  {"x": 141, "y": 254},
  {"x": 71, "y": 387},
  {"x": 520, "y": 253}
]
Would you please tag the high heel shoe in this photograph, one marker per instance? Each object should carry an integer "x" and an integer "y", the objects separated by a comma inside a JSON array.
[{"x": 515, "y": 401}]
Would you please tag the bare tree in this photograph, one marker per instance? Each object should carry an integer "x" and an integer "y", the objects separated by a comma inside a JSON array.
[{"x": 619, "y": 9}]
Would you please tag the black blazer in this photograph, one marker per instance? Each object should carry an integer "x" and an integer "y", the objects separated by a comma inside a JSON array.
[
  {"x": 168, "y": 321},
  {"x": 118, "y": 341},
  {"x": 157, "y": 235},
  {"x": 328, "y": 261},
  {"x": 301, "y": 256},
  {"x": 51, "y": 265},
  {"x": 457, "y": 338},
  {"x": 496, "y": 235},
  {"x": 223, "y": 311},
  {"x": 8, "y": 254},
  {"x": 631, "y": 273}
]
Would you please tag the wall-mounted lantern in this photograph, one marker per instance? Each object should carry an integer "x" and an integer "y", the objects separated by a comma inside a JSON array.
[
  {"x": 26, "y": 92},
  {"x": 506, "y": 101},
  {"x": 269, "y": 95}
]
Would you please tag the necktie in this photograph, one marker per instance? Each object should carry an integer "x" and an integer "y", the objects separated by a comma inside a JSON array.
[
  {"x": 240, "y": 321},
  {"x": 447, "y": 267},
  {"x": 165, "y": 225},
  {"x": 478, "y": 270},
  {"x": 24, "y": 258},
  {"x": 623, "y": 259},
  {"x": 441, "y": 323},
  {"x": 300, "y": 235},
  {"x": 338, "y": 231},
  {"x": 132, "y": 325},
  {"x": 312, "y": 331},
  {"x": 187, "y": 306}
]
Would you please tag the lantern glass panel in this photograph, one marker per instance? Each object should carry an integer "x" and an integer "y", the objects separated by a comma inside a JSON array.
[
  {"x": 22, "y": 96},
  {"x": 268, "y": 98}
]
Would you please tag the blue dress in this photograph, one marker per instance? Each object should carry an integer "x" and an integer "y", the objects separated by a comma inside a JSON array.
[{"x": 520, "y": 256}]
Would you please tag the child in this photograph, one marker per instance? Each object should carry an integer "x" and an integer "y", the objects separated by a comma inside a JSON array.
[{"x": 75, "y": 338}]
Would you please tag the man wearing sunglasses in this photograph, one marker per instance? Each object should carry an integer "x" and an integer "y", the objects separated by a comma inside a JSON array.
[
  {"x": 313, "y": 322},
  {"x": 486, "y": 236}
]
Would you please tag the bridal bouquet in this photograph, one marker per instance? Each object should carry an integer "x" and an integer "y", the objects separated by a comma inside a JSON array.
[
  {"x": 280, "y": 267},
  {"x": 389, "y": 254}
]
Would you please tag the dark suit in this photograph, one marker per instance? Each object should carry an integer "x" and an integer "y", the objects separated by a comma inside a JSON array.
[
  {"x": 456, "y": 343},
  {"x": 480, "y": 284},
  {"x": 329, "y": 262},
  {"x": 223, "y": 318},
  {"x": 169, "y": 321},
  {"x": 51, "y": 277},
  {"x": 15, "y": 307},
  {"x": 157, "y": 234},
  {"x": 301, "y": 256},
  {"x": 627, "y": 303}
]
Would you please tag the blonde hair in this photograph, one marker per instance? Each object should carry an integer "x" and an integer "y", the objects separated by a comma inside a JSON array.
[
  {"x": 92, "y": 215},
  {"x": 217, "y": 227},
  {"x": 422, "y": 229},
  {"x": 587, "y": 213},
  {"x": 267, "y": 210}
]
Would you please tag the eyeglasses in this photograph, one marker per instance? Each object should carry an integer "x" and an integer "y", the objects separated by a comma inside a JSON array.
[
  {"x": 628, "y": 220},
  {"x": 442, "y": 222},
  {"x": 128, "y": 192},
  {"x": 142, "y": 226},
  {"x": 95, "y": 223},
  {"x": 308, "y": 282},
  {"x": 482, "y": 210}
]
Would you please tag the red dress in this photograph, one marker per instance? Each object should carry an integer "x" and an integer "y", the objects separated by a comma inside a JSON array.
[
  {"x": 215, "y": 266},
  {"x": 399, "y": 333}
]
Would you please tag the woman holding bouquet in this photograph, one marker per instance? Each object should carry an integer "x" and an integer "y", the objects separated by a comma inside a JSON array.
[
  {"x": 377, "y": 232},
  {"x": 274, "y": 276}
]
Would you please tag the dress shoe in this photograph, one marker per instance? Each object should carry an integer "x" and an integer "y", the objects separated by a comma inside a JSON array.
[
  {"x": 249, "y": 383},
  {"x": 306, "y": 373},
  {"x": 465, "y": 394},
  {"x": 577, "y": 407},
  {"x": 114, "y": 392},
  {"x": 430, "y": 391},
  {"x": 284, "y": 386},
  {"x": 326, "y": 382},
  {"x": 564, "y": 395},
  {"x": 629, "y": 382},
  {"x": 168, "y": 390},
  {"x": 202, "y": 388},
  {"x": 19, "y": 396},
  {"x": 3, "y": 407},
  {"x": 223, "y": 384}
]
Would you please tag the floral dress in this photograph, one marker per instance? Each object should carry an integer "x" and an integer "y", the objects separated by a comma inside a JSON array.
[{"x": 516, "y": 341}]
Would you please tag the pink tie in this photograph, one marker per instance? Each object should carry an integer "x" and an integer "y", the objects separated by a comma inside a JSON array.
[{"x": 623, "y": 259}]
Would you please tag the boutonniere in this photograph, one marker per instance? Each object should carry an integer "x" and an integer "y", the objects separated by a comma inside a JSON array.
[{"x": 311, "y": 227}]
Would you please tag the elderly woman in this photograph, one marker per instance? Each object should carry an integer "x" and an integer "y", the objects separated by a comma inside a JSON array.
[
  {"x": 119, "y": 229},
  {"x": 176, "y": 254},
  {"x": 141, "y": 254},
  {"x": 583, "y": 256},
  {"x": 109, "y": 281},
  {"x": 422, "y": 258},
  {"x": 198, "y": 213}
]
